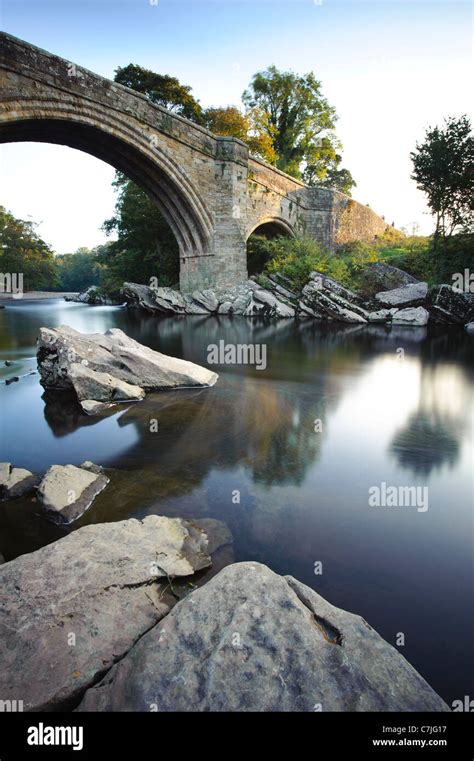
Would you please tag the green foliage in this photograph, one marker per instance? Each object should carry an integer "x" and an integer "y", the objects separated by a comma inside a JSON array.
[
  {"x": 301, "y": 124},
  {"x": 295, "y": 258},
  {"x": 146, "y": 247},
  {"x": 81, "y": 269},
  {"x": 23, "y": 251},
  {"x": 443, "y": 169},
  {"x": 162, "y": 89}
]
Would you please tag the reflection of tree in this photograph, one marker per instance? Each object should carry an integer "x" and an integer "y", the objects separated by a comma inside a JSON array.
[
  {"x": 432, "y": 436},
  {"x": 425, "y": 444}
]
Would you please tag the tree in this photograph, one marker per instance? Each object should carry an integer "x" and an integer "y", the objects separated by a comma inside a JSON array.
[
  {"x": 252, "y": 128},
  {"x": 146, "y": 247},
  {"x": 443, "y": 169},
  {"x": 301, "y": 123},
  {"x": 23, "y": 252},
  {"x": 161, "y": 89},
  {"x": 81, "y": 269}
]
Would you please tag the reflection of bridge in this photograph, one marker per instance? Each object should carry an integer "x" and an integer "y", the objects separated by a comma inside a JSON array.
[{"x": 212, "y": 193}]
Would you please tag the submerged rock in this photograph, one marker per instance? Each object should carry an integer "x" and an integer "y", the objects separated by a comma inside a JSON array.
[
  {"x": 15, "y": 482},
  {"x": 66, "y": 492},
  {"x": 71, "y": 609},
  {"x": 110, "y": 368},
  {"x": 250, "y": 640}
]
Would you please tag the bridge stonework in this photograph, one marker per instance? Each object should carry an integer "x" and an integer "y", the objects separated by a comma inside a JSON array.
[{"x": 212, "y": 193}]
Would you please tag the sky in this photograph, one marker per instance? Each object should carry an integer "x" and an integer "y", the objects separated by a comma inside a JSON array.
[{"x": 390, "y": 68}]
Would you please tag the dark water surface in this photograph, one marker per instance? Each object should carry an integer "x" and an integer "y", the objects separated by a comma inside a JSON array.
[{"x": 303, "y": 494}]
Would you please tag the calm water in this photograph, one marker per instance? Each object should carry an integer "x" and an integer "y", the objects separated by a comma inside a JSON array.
[{"x": 303, "y": 494}]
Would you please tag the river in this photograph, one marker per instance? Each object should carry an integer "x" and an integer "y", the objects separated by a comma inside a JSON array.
[{"x": 394, "y": 408}]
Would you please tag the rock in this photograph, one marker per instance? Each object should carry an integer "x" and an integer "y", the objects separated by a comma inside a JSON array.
[
  {"x": 250, "y": 640},
  {"x": 2, "y": 559},
  {"x": 269, "y": 305},
  {"x": 8, "y": 363},
  {"x": 306, "y": 311},
  {"x": 111, "y": 366},
  {"x": 14, "y": 379},
  {"x": 162, "y": 300},
  {"x": 380, "y": 276},
  {"x": 469, "y": 328},
  {"x": 383, "y": 315},
  {"x": 101, "y": 387},
  {"x": 92, "y": 467},
  {"x": 411, "y": 295},
  {"x": 206, "y": 299},
  {"x": 71, "y": 609},
  {"x": 66, "y": 492},
  {"x": 411, "y": 316},
  {"x": 95, "y": 296},
  {"x": 322, "y": 297},
  {"x": 15, "y": 482},
  {"x": 447, "y": 304}
]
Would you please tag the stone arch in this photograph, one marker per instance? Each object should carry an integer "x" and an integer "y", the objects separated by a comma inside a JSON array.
[
  {"x": 272, "y": 227},
  {"x": 137, "y": 153},
  {"x": 268, "y": 227}
]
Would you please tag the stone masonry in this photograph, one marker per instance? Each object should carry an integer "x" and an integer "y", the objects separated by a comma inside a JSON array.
[{"x": 212, "y": 193}]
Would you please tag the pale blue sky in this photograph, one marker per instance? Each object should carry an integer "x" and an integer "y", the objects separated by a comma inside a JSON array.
[{"x": 389, "y": 68}]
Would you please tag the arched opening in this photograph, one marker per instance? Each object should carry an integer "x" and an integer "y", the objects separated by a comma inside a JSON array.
[
  {"x": 141, "y": 161},
  {"x": 258, "y": 248}
]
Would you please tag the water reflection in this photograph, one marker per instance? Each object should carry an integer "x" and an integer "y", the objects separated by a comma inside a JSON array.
[{"x": 302, "y": 494}]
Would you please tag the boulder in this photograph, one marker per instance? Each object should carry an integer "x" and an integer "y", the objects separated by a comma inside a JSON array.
[
  {"x": 250, "y": 640},
  {"x": 411, "y": 295},
  {"x": 66, "y": 492},
  {"x": 95, "y": 296},
  {"x": 15, "y": 482},
  {"x": 447, "y": 304},
  {"x": 380, "y": 276},
  {"x": 161, "y": 300},
  {"x": 382, "y": 315},
  {"x": 469, "y": 328},
  {"x": 110, "y": 368},
  {"x": 269, "y": 305},
  {"x": 325, "y": 296},
  {"x": 71, "y": 609},
  {"x": 101, "y": 387},
  {"x": 411, "y": 316},
  {"x": 207, "y": 299}
]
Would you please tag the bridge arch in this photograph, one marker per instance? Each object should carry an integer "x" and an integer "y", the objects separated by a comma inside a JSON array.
[
  {"x": 272, "y": 227},
  {"x": 135, "y": 152}
]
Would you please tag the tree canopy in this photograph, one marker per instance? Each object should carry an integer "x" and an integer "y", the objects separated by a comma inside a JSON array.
[
  {"x": 22, "y": 251},
  {"x": 162, "y": 89},
  {"x": 443, "y": 169},
  {"x": 146, "y": 247},
  {"x": 301, "y": 125}
]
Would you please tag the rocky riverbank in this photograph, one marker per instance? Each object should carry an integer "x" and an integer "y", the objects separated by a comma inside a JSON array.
[
  {"x": 389, "y": 296},
  {"x": 133, "y": 623}
]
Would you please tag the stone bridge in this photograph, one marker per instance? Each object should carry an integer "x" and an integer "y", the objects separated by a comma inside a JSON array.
[{"x": 213, "y": 194}]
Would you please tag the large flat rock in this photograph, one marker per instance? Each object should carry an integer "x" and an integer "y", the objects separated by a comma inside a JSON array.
[
  {"x": 250, "y": 640},
  {"x": 70, "y": 610},
  {"x": 111, "y": 366}
]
